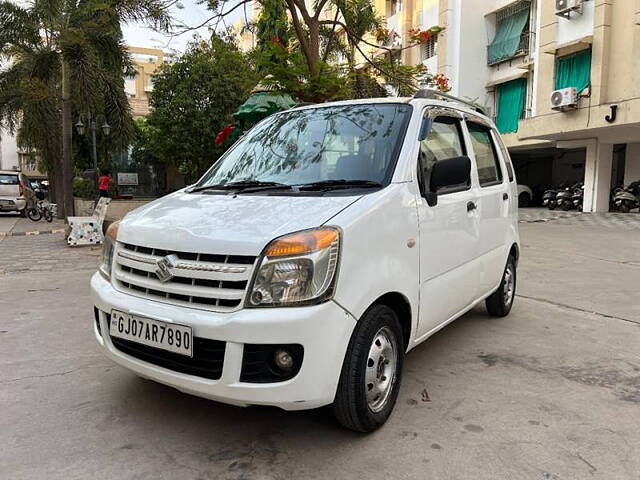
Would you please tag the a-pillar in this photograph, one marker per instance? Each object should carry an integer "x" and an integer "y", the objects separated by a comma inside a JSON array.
[
  {"x": 632, "y": 163},
  {"x": 597, "y": 176}
]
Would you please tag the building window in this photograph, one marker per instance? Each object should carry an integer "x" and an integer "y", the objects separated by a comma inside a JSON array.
[
  {"x": 512, "y": 33},
  {"x": 510, "y": 104},
  {"x": 574, "y": 71},
  {"x": 429, "y": 48}
]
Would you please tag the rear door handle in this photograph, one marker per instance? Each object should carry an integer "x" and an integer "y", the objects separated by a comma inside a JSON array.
[
  {"x": 505, "y": 196},
  {"x": 471, "y": 206}
]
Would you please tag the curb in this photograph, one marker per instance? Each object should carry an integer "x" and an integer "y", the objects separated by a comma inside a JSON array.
[{"x": 36, "y": 232}]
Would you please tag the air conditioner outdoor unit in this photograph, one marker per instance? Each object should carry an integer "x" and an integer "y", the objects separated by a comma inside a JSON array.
[
  {"x": 565, "y": 99},
  {"x": 564, "y": 8}
]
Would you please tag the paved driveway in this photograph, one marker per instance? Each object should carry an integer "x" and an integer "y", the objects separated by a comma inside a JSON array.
[{"x": 551, "y": 392}]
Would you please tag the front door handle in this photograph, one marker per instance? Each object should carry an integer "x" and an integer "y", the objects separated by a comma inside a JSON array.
[
  {"x": 505, "y": 196},
  {"x": 471, "y": 206}
]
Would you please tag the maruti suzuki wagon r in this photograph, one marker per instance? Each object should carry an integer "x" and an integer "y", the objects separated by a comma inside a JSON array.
[{"x": 323, "y": 246}]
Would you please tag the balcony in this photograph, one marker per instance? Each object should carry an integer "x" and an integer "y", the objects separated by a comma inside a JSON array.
[{"x": 494, "y": 55}]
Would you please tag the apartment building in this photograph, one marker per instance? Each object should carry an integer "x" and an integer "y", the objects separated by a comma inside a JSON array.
[
  {"x": 138, "y": 85},
  {"x": 560, "y": 76}
]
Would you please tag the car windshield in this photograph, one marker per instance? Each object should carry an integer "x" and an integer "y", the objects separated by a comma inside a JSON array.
[{"x": 351, "y": 143}]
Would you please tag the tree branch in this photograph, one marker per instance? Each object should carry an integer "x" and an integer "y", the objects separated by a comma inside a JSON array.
[
  {"x": 320, "y": 7},
  {"x": 331, "y": 37},
  {"x": 303, "y": 10},
  {"x": 218, "y": 16},
  {"x": 362, "y": 40},
  {"x": 302, "y": 39}
]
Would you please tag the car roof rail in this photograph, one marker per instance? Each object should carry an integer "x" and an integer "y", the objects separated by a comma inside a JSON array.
[{"x": 433, "y": 94}]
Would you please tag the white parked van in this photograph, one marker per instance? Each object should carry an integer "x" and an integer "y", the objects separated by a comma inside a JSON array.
[{"x": 324, "y": 245}]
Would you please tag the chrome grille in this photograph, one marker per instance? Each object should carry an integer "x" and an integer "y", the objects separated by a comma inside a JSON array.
[{"x": 199, "y": 280}]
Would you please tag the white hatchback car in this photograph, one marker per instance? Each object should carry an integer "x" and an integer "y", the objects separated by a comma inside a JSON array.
[{"x": 325, "y": 244}]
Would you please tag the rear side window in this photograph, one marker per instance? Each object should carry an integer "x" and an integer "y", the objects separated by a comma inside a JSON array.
[
  {"x": 8, "y": 179},
  {"x": 489, "y": 172},
  {"x": 444, "y": 142}
]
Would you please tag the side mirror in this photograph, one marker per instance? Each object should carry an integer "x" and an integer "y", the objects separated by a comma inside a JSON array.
[{"x": 447, "y": 173}]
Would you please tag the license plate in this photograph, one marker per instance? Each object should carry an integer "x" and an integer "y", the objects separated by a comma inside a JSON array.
[{"x": 153, "y": 333}]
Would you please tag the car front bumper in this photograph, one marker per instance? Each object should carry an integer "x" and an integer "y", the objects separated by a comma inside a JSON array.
[{"x": 323, "y": 330}]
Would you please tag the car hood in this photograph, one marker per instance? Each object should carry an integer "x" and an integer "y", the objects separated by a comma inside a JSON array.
[{"x": 225, "y": 224}]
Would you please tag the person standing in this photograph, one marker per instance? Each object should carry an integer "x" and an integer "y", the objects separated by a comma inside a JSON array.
[{"x": 104, "y": 181}]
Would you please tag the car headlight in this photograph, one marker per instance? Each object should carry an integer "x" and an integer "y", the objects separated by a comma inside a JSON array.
[
  {"x": 295, "y": 269},
  {"x": 106, "y": 258}
]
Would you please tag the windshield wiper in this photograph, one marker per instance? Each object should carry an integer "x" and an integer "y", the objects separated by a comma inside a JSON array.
[
  {"x": 339, "y": 184},
  {"x": 240, "y": 186}
]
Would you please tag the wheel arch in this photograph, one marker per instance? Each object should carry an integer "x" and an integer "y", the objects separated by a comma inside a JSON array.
[
  {"x": 402, "y": 307},
  {"x": 515, "y": 252}
]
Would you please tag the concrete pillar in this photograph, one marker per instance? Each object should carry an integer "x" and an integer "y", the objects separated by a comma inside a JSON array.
[
  {"x": 597, "y": 176},
  {"x": 632, "y": 163}
]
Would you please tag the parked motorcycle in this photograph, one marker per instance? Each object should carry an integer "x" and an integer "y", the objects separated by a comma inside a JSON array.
[
  {"x": 578, "y": 196},
  {"x": 627, "y": 198},
  {"x": 549, "y": 198},
  {"x": 564, "y": 199}
]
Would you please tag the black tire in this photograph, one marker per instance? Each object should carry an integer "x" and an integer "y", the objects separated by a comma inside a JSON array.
[
  {"x": 524, "y": 200},
  {"x": 552, "y": 206},
  {"x": 566, "y": 206},
  {"x": 351, "y": 407},
  {"x": 48, "y": 215},
  {"x": 624, "y": 207},
  {"x": 499, "y": 303},
  {"x": 34, "y": 214}
]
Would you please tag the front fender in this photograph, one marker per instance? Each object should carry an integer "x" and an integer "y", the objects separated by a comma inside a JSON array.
[{"x": 380, "y": 251}]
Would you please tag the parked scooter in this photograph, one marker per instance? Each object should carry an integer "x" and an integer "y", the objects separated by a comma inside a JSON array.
[
  {"x": 578, "y": 196},
  {"x": 628, "y": 198},
  {"x": 549, "y": 198},
  {"x": 564, "y": 199}
]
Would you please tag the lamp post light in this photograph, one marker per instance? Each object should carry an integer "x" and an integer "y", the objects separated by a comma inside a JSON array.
[{"x": 92, "y": 124}]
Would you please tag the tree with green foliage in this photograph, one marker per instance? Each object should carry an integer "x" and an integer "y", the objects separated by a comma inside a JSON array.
[
  {"x": 304, "y": 64},
  {"x": 63, "y": 57},
  {"x": 193, "y": 99}
]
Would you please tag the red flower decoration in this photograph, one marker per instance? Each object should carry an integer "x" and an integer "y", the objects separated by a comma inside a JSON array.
[{"x": 224, "y": 134}]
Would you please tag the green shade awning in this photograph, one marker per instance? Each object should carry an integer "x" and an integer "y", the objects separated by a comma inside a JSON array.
[
  {"x": 511, "y": 99},
  {"x": 574, "y": 71},
  {"x": 262, "y": 104},
  {"x": 508, "y": 34}
]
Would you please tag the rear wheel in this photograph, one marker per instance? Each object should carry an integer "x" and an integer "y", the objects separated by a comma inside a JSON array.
[
  {"x": 371, "y": 372},
  {"x": 34, "y": 214},
  {"x": 624, "y": 207},
  {"x": 523, "y": 200},
  {"x": 500, "y": 302}
]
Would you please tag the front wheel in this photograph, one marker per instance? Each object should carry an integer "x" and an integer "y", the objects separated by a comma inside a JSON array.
[
  {"x": 371, "y": 372},
  {"x": 499, "y": 303},
  {"x": 48, "y": 215},
  {"x": 34, "y": 214},
  {"x": 624, "y": 207}
]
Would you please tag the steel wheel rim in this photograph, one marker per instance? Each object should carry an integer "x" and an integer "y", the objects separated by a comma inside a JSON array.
[
  {"x": 381, "y": 369},
  {"x": 509, "y": 285}
]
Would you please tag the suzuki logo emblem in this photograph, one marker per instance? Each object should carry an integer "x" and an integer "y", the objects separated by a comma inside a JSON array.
[{"x": 164, "y": 266}]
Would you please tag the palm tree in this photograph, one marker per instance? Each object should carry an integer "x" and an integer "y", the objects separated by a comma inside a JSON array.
[{"x": 62, "y": 57}]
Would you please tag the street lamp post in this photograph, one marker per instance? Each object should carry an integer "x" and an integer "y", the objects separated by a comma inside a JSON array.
[{"x": 92, "y": 122}]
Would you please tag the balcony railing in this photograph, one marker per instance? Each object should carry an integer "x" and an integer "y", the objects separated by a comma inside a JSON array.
[{"x": 527, "y": 40}]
